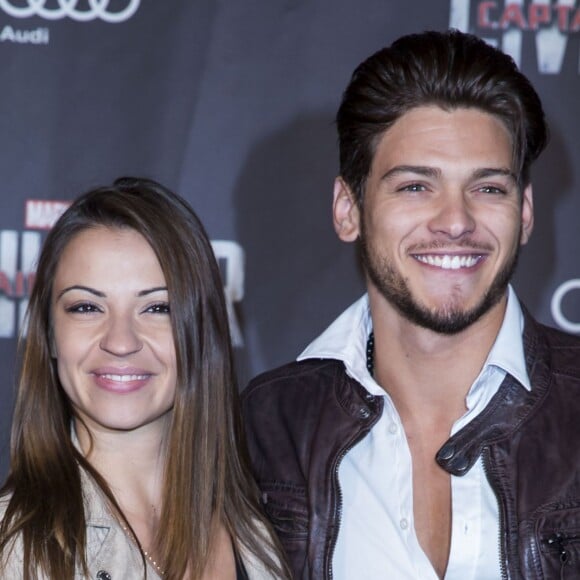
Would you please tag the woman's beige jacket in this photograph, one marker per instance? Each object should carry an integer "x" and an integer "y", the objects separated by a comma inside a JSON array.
[{"x": 111, "y": 555}]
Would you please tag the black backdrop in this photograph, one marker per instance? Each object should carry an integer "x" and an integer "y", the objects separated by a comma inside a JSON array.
[{"x": 231, "y": 104}]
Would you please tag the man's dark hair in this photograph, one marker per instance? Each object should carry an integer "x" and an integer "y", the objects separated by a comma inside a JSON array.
[{"x": 447, "y": 69}]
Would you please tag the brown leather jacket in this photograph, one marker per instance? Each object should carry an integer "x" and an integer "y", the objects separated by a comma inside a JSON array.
[{"x": 302, "y": 418}]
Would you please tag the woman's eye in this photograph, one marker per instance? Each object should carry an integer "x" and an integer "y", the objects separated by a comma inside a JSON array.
[
  {"x": 159, "y": 308},
  {"x": 83, "y": 308}
]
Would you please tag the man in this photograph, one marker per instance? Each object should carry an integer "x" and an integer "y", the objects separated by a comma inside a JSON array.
[{"x": 432, "y": 431}]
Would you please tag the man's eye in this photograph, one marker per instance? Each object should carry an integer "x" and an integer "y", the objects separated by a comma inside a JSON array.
[
  {"x": 158, "y": 308},
  {"x": 492, "y": 189},
  {"x": 83, "y": 308},
  {"x": 413, "y": 187}
]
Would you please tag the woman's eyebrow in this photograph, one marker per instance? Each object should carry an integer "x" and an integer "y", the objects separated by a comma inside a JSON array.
[
  {"x": 100, "y": 294},
  {"x": 80, "y": 287}
]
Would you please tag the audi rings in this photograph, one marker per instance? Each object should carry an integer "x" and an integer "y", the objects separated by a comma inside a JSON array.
[{"x": 63, "y": 8}]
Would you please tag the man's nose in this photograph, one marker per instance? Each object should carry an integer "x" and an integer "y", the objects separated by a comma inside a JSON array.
[{"x": 452, "y": 216}]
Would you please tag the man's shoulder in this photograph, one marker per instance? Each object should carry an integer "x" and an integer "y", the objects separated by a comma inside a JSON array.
[
  {"x": 299, "y": 388},
  {"x": 546, "y": 345},
  {"x": 564, "y": 350},
  {"x": 300, "y": 375},
  {"x": 558, "y": 338}
]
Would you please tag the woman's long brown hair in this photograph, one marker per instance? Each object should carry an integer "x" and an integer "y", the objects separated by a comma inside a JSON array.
[{"x": 206, "y": 476}]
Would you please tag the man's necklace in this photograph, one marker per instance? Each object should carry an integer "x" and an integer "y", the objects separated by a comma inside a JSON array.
[{"x": 371, "y": 353}]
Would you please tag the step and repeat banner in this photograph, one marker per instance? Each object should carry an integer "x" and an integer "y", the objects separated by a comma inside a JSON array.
[{"x": 232, "y": 104}]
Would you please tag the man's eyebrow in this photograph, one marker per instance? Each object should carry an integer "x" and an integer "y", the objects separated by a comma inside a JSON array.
[
  {"x": 494, "y": 171},
  {"x": 100, "y": 294},
  {"x": 418, "y": 169},
  {"x": 152, "y": 290},
  {"x": 432, "y": 172}
]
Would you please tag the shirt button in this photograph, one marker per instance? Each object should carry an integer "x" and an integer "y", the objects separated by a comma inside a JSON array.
[
  {"x": 404, "y": 523},
  {"x": 393, "y": 428}
]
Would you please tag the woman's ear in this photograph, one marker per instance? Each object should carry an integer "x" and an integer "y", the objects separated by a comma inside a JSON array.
[{"x": 345, "y": 212}]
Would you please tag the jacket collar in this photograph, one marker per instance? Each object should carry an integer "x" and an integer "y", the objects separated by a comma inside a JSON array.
[
  {"x": 508, "y": 408},
  {"x": 345, "y": 340}
]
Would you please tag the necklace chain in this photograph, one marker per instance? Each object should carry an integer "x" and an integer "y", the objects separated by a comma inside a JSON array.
[
  {"x": 154, "y": 563},
  {"x": 147, "y": 555}
]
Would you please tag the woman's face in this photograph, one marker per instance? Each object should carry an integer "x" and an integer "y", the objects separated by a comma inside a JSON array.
[{"x": 112, "y": 336}]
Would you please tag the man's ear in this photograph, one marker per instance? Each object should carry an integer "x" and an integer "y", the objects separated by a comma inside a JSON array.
[
  {"x": 345, "y": 212},
  {"x": 527, "y": 214}
]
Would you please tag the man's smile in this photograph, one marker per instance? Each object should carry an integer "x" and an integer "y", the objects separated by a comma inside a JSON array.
[{"x": 449, "y": 261}]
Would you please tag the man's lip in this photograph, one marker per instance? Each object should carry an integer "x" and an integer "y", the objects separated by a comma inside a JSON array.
[
  {"x": 450, "y": 260},
  {"x": 451, "y": 253}
]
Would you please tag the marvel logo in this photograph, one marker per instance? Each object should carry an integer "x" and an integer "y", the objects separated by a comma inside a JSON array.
[{"x": 41, "y": 214}]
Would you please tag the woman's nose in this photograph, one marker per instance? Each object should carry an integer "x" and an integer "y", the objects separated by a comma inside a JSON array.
[{"x": 120, "y": 337}]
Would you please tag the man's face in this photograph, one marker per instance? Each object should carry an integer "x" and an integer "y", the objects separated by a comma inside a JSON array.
[{"x": 442, "y": 217}]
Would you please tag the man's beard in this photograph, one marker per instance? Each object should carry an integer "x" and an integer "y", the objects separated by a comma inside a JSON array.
[{"x": 448, "y": 320}]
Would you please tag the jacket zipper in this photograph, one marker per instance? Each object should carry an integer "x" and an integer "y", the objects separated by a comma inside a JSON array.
[
  {"x": 557, "y": 540},
  {"x": 486, "y": 455},
  {"x": 339, "y": 459}
]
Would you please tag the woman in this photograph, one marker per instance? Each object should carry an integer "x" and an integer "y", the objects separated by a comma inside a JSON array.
[{"x": 125, "y": 444}]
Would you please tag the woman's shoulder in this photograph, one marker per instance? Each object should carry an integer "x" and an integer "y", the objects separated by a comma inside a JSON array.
[
  {"x": 4, "y": 503},
  {"x": 5, "y": 500},
  {"x": 254, "y": 567},
  {"x": 12, "y": 557}
]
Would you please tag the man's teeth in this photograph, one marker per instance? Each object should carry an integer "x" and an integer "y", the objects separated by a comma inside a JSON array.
[
  {"x": 449, "y": 262},
  {"x": 124, "y": 378}
]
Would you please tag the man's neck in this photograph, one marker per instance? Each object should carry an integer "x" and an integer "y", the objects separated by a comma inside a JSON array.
[{"x": 428, "y": 374}]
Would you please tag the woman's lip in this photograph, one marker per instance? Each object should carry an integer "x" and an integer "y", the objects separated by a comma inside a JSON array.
[
  {"x": 121, "y": 380},
  {"x": 111, "y": 370}
]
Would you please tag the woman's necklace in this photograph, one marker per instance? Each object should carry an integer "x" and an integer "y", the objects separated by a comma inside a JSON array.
[
  {"x": 147, "y": 554},
  {"x": 131, "y": 537},
  {"x": 153, "y": 562}
]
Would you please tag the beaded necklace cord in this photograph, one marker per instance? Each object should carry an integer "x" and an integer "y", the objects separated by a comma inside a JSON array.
[{"x": 371, "y": 353}]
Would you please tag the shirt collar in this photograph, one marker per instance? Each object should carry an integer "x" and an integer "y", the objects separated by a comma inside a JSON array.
[
  {"x": 507, "y": 352},
  {"x": 346, "y": 338}
]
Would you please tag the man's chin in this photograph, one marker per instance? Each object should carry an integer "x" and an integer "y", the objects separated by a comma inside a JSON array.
[{"x": 447, "y": 318}]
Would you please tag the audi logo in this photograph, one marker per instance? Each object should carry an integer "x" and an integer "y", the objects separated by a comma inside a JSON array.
[
  {"x": 556, "y": 306},
  {"x": 63, "y": 8}
]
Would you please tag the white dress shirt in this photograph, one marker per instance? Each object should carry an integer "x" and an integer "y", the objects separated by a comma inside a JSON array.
[{"x": 377, "y": 537}]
